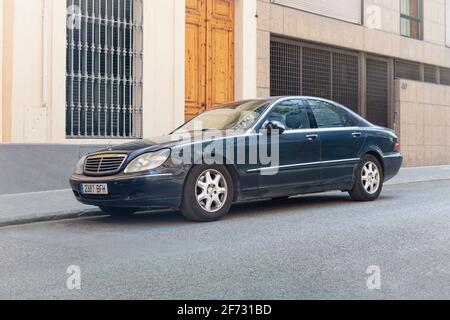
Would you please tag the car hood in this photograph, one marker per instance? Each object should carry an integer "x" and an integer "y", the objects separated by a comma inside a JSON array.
[{"x": 158, "y": 143}]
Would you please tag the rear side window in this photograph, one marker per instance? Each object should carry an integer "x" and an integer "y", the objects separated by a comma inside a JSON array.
[{"x": 329, "y": 116}]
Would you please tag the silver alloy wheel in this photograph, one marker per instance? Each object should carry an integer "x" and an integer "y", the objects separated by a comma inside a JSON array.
[
  {"x": 371, "y": 178},
  {"x": 211, "y": 191}
]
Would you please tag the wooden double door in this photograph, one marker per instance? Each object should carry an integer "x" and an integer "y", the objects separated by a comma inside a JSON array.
[{"x": 209, "y": 54}]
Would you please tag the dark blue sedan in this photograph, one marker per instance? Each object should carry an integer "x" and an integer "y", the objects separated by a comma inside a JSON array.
[{"x": 248, "y": 150}]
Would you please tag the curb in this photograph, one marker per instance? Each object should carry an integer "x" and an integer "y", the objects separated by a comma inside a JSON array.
[{"x": 48, "y": 217}]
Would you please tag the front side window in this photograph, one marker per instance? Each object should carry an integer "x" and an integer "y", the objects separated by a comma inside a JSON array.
[
  {"x": 411, "y": 18},
  {"x": 292, "y": 114},
  {"x": 104, "y": 69},
  {"x": 330, "y": 116}
]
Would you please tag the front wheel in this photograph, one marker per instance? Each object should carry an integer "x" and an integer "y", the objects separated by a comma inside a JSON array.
[
  {"x": 118, "y": 212},
  {"x": 208, "y": 194},
  {"x": 369, "y": 179}
]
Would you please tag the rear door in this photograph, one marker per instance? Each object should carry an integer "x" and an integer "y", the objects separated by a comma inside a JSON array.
[{"x": 341, "y": 141}]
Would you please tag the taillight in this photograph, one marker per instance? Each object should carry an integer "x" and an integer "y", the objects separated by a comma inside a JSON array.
[{"x": 397, "y": 147}]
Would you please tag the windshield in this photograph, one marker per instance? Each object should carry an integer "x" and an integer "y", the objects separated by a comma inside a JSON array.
[{"x": 237, "y": 116}]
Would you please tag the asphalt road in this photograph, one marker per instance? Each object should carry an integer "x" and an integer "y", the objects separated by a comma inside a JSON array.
[{"x": 311, "y": 247}]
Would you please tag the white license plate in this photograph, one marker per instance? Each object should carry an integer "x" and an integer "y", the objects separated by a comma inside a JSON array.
[{"x": 94, "y": 189}]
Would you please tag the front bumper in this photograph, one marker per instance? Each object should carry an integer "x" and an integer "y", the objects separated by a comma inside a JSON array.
[{"x": 151, "y": 191}]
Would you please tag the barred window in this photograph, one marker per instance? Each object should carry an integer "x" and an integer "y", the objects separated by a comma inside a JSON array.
[{"x": 104, "y": 69}]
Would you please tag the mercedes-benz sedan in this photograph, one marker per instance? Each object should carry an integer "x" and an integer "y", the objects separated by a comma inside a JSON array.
[{"x": 248, "y": 150}]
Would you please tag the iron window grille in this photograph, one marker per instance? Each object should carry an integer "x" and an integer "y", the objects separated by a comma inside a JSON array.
[
  {"x": 104, "y": 69},
  {"x": 411, "y": 18}
]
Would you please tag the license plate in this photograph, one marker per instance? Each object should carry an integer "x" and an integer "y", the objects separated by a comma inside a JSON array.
[{"x": 94, "y": 189}]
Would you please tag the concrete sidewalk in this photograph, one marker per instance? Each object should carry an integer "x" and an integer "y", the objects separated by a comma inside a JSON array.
[
  {"x": 41, "y": 206},
  {"x": 60, "y": 204}
]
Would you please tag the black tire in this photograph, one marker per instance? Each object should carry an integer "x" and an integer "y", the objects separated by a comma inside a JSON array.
[
  {"x": 359, "y": 192},
  {"x": 192, "y": 209},
  {"x": 118, "y": 212}
]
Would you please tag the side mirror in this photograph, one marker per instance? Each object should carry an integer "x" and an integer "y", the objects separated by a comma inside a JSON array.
[{"x": 275, "y": 125}]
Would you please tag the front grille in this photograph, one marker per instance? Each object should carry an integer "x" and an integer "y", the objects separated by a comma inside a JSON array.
[{"x": 104, "y": 164}]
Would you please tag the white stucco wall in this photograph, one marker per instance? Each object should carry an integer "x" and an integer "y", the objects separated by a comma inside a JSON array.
[
  {"x": 164, "y": 55},
  {"x": 39, "y": 50},
  {"x": 246, "y": 49},
  {"x": 28, "y": 115},
  {"x": 38, "y": 97}
]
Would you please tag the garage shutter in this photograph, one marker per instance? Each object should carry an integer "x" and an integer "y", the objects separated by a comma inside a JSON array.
[
  {"x": 303, "y": 69},
  {"x": 430, "y": 74},
  {"x": 316, "y": 73},
  {"x": 377, "y": 92},
  {"x": 347, "y": 10},
  {"x": 407, "y": 70},
  {"x": 445, "y": 76}
]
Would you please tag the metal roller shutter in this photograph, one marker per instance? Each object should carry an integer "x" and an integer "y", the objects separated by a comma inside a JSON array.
[
  {"x": 377, "y": 92},
  {"x": 346, "y": 80},
  {"x": 303, "y": 69},
  {"x": 285, "y": 69},
  {"x": 430, "y": 74},
  {"x": 445, "y": 76},
  {"x": 407, "y": 70},
  {"x": 346, "y": 10},
  {"x": 316, "y": 73}
]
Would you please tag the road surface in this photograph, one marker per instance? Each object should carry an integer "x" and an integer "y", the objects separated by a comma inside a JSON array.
[{"x": 310, "y": 247}]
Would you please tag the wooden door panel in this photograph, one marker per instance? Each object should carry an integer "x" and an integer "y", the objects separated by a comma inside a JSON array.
[
  {"x": 220, "y": 87},
  {"x": 222, "y": 10},
  {"x": 194, "y": 6},
  {"x": 209, "y": 54},
  {"x": 195, "y": 66},
  {"x": 195, "y": 56},
  {"x": 220, "y": 53}
]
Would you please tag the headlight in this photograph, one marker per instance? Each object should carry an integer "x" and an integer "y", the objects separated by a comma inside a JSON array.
[
  {"x": 148, "y": 161},
  {"x": 80, "y": 166}
]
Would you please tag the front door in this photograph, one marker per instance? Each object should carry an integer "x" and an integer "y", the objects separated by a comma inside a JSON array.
[
  {"x": 209, "y": 54},
  {"x": 299, "y": 152}
]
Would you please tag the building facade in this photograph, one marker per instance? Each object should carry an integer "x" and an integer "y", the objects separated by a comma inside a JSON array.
[{"x": 80, "y": 73}]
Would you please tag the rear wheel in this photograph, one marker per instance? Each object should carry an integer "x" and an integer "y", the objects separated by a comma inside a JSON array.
[
  {"x": 208, "y": 194},
  {"x": 118, "y": 212},
  {"x": 369, "y": 179}
]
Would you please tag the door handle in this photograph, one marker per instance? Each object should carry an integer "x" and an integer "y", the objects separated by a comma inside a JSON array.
[
  {"x": 312, "y": 137},
  {"x": 356, "y": 134}
]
